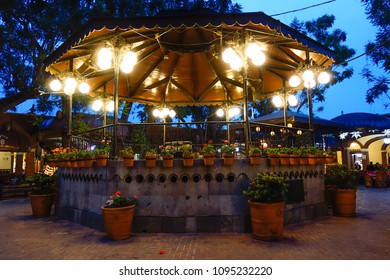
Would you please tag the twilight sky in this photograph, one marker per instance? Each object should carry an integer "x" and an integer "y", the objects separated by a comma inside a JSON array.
[{"x": 348, "y": 96}]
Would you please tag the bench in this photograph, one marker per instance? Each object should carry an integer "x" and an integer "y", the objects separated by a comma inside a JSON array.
[{"x": 13, "y": 191}]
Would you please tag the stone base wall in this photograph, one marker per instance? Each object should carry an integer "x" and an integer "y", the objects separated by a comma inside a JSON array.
[{"x": 183, "y": 199}]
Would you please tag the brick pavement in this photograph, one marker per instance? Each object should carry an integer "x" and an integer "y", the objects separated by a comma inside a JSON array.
[{"x": 331, "y": 238}]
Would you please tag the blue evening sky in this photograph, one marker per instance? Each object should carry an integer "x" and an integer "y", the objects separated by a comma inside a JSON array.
[{"x": 348, "y": 96}]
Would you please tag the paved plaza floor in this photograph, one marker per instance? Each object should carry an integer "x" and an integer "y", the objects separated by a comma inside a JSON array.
[{"x": 365, "y": 237}]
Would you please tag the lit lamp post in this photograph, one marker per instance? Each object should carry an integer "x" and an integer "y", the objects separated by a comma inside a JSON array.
[
  {"x": 118, "y": 55},
  {"x": 162, "y": 114},
  {"x": 309, "y": 77},
  {"x": 69, "y": 84},
  {"x": 284, "y": 101},
  {"x": 237, "y": 56}
]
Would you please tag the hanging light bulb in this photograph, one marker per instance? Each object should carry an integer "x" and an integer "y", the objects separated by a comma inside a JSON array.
[
  {"x": 97, "y": 105},
  {"x": 308, "y": 75},
  {"x": 104, "y": 58},
  {"x": 70, "y": 85},
  {"x": 252, "y": 50},
  {"x": 165, "y": 112},
  {"x": 310, "y": 84},
  {"x": 294, "y": 81},
  {"x": 228, "y": 55},
  {"x": 220, "y": 112},
  {"x": 292, "y": 100},
  {"x": 129, "y": 59},
  {"x": 259, "y": 59},
  {"x": 156, "y": 113},
  {"x": 277, "y": 101},
  {"x": 110, "y": 106},
  {"x": 172, "y": 113},
  {"x": 84, "y": 87},
  {"x": 236, "y": 63},
  {"x": 324, "y": 77},
  {"x": 55, "y": 85}
]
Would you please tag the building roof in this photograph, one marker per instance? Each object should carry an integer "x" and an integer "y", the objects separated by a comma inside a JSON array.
[{"x": 363, "y": 121}]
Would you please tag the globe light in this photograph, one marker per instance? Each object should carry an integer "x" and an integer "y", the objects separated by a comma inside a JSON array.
[
  {"x": 228, "y": 55},
  {"x": 259, "y": 59},
  {"x": 104, "y": 58},
  {"x": 84, "y": 87},
  {"x": 277, "y": 101},
  {"x": 129, "y": 59},
  {"x": 252, "y": 50},
  {"x": 172, "y": 113},
  {"x": 308, "y": 75},
  {"x": 292, "y": 100},
  {"x": 220, "y": 112},
  {"x": 110, "y": 106},
  {"x": 165, "y": 112},
  {"x": 97, "y": 105},
  {"x": 55, "y": 85},
  {"x": 236, "y": 63},
  {"x": 70, "y": 85},
  {"x": 294, "y": 81},
  {"x": 156, "y": 113},
  {"x": 309, "y": 84},
  {"x": 324, "y": 77}
]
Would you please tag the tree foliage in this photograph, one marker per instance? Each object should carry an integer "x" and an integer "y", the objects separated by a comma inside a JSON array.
[{"x": 378, "y": 51}]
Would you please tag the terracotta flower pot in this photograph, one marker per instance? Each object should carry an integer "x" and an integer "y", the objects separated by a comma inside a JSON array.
[
  {"x": 118, "y": 222},
  {"x": 267, "y": 220},
  {"x": 255, "y": 159},
  {"x": 101, "y": 160},
  {"x": 208, "y": 159},
  {"x": 128, "y": 161},
  {"x": 188, "y": 161},
  {"x": 228, "y": 159},
  {"x": 168, "y": 162},
  {"x": 150, "y": 161},
  {"x": 344, "y": 202},
  {"x": 41, "y": 204}
]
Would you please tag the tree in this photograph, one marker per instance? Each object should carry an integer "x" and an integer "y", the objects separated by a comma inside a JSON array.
[
  {"x": 379, "y": 50},
  {"x": 31, "y": 29}
]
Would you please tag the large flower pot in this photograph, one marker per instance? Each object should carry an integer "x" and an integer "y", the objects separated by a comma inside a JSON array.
[
  {"x": 87, "y": 162},
  {"x": 208, "y": 159},
  {"x": 303, "y": 160},
  {"x": 312, "y": 159},
  {"x": 273, "y": 159},
  {"x": 168, "y": 162},
  {"x": 267, "y": 220},
  {"x": 41, "y": 204},
  {"x": 284, "y": 159},
  {"x": 255, "y": 159},
  {"x": 294, "y": 159},
  {"x": 344, "y": 202},
  {"x": 118, "y": 221},
  {"x": 228, "y": 159}
]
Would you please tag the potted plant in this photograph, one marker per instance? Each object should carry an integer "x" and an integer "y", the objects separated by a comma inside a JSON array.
[
  {"x": 167, "y": 156},
  {"x": 273, "y": 156},
  {"x": 341, "y": 183},
  {"x": 313, "y": 153},
  {"x": 101, "y": 155},
  {"x": 44, "y": 188},
  {"x": 187, "y": 155},
  {"x": 228, "y": 153},
  {"x": 267, "y": 198},
  {"x": 127, "y": 156},
  {"x": 118, "y": 216},
  {"x": 208, "y": 152},
  {"x": 255, "y": 155},
  {"x": 284, "y": 155},
  {"x": 150, "y": 157},
  {"x": 85, "y": 158}
]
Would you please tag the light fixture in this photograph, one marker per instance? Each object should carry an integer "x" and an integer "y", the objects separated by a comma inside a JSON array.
[
  {"x": 233, "y": 112},
  {"x": 107, "y": 105},
  {"x": 252, "y": 50},
  {"x": 68, "y": 82},
  {"x": 299, "y": 132},
  {"x": 164, "y": 112},
  {"x": 277, "y": 100},
  {"x": 128, "y": 59},
  {"x": 104, "y": 58},
  {"x": 308, "y": 77},
  {"x": 220, "y": 112},
  {"x": 258, "y": 129},
  {"x": 292, "y": 100}
]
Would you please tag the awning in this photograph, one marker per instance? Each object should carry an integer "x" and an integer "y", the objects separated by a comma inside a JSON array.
[{"x": 179, "y": 56}]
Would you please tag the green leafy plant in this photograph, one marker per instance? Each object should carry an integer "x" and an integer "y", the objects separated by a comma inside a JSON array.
[
  {"x": 151, "y": 153},
  {"x": 187, "y": 150},
  {"x": 341, "y": 176},
  {"x": 267, "y": 188},
  {"x": 118, "y": 200},
  {"x": 227, "y": 149},
  {"x": 43, "y": 183},
  {"x": 255, "y": 150},
  {"x": 167, "y": 152},
  {"x": 208, "y": 148},
  {"x": 102, "y": 151},
  {"x": 128, "y": 151}
]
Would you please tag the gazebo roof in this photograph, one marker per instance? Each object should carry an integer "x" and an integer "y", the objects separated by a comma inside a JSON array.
[
  {"x": 179, "y": 56},
  {"x": 364, "y": 121}
]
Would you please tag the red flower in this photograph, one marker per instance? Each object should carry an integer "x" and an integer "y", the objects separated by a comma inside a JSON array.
[
  {"x": 118, "y": 193},
  {"x": 210, "y": 142}
]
